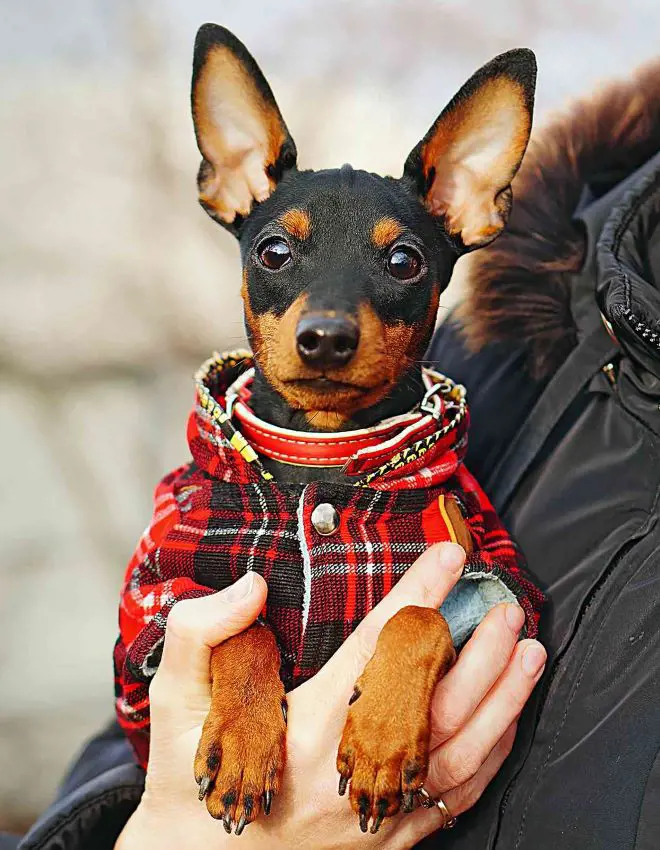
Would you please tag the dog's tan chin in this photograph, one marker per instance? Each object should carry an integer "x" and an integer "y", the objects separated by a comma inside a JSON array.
[
  {"x": 326, "y": 420},
  {"x": 339, "y": 402}
]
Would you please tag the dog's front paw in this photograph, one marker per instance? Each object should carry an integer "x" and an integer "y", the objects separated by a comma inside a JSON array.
[
  {"x": 384, "y": 749},
  {"x": 241, "y": 753}
]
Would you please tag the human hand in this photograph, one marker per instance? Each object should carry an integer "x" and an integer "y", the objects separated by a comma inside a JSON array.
[{"x": 475, "y": 710}]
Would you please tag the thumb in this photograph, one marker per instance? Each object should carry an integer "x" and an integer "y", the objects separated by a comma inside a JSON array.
[
  {"x": 195, "y": 626},
  {"x": 426, "y": 583}
]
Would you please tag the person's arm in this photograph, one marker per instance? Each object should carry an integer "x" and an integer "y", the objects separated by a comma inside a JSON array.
[{"x": 475, "y": 711}]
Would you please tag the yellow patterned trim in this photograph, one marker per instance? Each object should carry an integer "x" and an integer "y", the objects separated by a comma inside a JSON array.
[{"x": 205, "y": 374}]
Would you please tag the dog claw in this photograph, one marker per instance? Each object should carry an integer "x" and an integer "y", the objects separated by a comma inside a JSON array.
[
  {"x": 408, "y": 802},
  {"x": 285, "y": 710},
  {"x": 343, "y": 782},
  {"x": 375, "y": 826},
  {"x": 382, "y": 808},
  {"x": 204, "y": 784},
  {"x": 268, "y": 801},
  {"x": 240, "y": 826},
  {"x": 364, "y": 814},
  {"x": 357, "y": 693},
  {"x": 226, "y": 822}
]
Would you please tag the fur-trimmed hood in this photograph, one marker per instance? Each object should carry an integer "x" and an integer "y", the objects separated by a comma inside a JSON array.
[{"x": 521, "y": 286}]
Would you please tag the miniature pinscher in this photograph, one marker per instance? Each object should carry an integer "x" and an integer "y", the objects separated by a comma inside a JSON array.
[{"x": 342, "y": 275}]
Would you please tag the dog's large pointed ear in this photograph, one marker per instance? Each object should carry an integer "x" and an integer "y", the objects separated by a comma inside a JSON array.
[
  {"x": 463, "y": 168},
  {"x": 244, "y": 142}
]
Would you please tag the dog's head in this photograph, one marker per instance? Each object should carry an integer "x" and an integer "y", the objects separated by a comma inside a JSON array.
[{"x": 343, "y": 269}]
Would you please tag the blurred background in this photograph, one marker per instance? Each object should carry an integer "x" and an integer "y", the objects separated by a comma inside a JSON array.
[{"x": 115, "y": 285}]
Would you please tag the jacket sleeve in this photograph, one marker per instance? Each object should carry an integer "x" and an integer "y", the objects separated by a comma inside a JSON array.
[
  {"x": 95, "y": 801},
  {"x": 160, "y": 574}
]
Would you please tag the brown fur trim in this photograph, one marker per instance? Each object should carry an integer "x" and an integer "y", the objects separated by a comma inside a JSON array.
[{"x": 519, "y": 287}]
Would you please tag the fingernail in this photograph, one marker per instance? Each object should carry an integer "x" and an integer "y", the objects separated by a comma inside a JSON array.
[
  {"x": 533, "y": 659},
  {"x": 240, "y": 589},
  {"x": 451, "y": 557},
  {"x": 515, "y": 617}
]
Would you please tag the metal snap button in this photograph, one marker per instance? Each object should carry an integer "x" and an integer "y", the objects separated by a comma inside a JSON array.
[{"x": 325, "y": 519}]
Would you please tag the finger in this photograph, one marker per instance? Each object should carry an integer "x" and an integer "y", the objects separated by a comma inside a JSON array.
[
  {"x": 458, "y": 760},
  {"x": 480, "y": 664},
  {"x": 426, "y": 583},
  {"x": 423, "y": 822},
  {"x": 459, "y": 800},
  {"x": 195, "y": 626}
]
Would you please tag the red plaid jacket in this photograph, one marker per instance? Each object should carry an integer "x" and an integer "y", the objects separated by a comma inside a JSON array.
[{"x": 222, "y": 514}]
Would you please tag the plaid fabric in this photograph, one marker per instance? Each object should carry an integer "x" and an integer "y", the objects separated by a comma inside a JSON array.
[{"x": 221, "y": 515}]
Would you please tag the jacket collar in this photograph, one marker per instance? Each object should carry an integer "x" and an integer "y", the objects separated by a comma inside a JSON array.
[
  {"x": 391, "y": 450},
  {"x": 621, "y": 228}
]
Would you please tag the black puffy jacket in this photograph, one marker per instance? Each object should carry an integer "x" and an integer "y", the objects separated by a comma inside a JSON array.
[
  {"x": 577, "y": 482},
  {"x": 571, "y": 458}
]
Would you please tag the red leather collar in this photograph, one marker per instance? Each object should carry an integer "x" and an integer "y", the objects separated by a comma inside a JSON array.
[{"x": 366, "y": 447}]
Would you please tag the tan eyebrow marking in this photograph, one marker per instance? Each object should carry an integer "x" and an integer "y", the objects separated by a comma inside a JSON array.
[
  {"x": 296, "y": 222},
  {"x": 384, "y": 231}
]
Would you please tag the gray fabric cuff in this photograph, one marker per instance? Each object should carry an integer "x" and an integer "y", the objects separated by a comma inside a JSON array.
[{"x": 469, "y": 602}]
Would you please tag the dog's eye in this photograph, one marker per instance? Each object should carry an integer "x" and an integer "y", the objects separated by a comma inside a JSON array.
[
  {"x": 274, "y": 254},
  {"x": 404, "y": 263}
]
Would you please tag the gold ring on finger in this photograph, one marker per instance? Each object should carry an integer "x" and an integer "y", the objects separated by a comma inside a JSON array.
[{"x": 428, "y": 802}]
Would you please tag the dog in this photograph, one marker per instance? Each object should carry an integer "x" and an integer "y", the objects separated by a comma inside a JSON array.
[{"x": 329, "y": 459}]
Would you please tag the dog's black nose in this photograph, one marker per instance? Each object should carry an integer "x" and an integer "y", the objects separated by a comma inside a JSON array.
[{"x": 326, "y": 341}]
